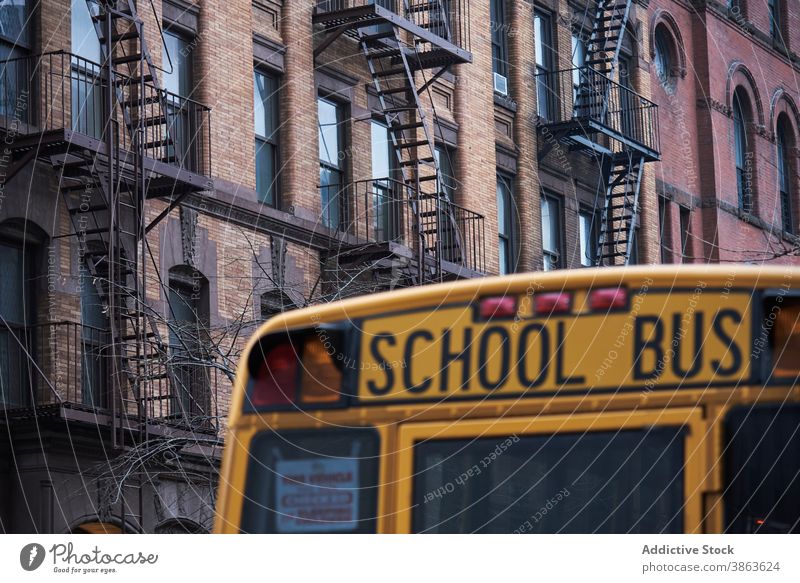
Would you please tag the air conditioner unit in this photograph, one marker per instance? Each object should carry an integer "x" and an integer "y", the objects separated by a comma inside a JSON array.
[{"x": 500, "y": 84}]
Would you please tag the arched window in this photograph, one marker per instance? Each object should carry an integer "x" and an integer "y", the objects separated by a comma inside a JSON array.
[
  {"x": 785, "y": 142},
  {"x": 662, "y": 44},
  {"x": 744, "y": 166},
  {"x": 188, "y": 319}
]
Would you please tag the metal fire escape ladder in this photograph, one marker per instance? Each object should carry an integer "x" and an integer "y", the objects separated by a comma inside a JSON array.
[
  {"x": 623, "y": 177},
  {"x": 437, "y": 235},
  {"x": 112, "y": 189},
  {"x": 621, "y": 171}
]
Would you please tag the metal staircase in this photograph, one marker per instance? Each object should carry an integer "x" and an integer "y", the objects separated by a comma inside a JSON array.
[
  {"x": 607, "y": 119},
  {"x": 391, "y": 66},
  {"x": 401, "y": 41}
]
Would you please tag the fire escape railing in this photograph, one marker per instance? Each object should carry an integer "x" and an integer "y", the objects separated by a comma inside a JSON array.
[
  {"x": 382, "y": 211},
  {"x": 69, "y": 363},
  {"x": 447, "y": 19},
  {"x": 584, "y": 95},
  {"x": 59, "y": 90}
]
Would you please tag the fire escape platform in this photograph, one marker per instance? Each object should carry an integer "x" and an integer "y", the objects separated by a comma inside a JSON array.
[
  {"x": 349, "y": 20},
  {"x": 583, "y": 131},
  {"x": 165, "y": 179}
]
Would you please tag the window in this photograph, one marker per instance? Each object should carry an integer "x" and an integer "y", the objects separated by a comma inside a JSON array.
[
  {"x": 265, "y": 108},
  {"x": 762, "y": 469},
  {"x": 578, "y": 61},
  {"x": 588, "y": 229},
  {"x": 543, "y": 32},
  {"x": 20, "y": 269},
  {"x": 774, "y": 7},
  {"x": 179, "y": 82},
  {"x": 188, "y": 304},
  {"x": 383, "y": 200},
  {"x": 499, "y": 38},
  {"x": 445, "y": 159},
  {"x": 665, "y": 228},
  {"x": 274, "y": 302},
  {"x": 784, "y": 175},
  {"x": 684, "y": 216},
  {"x": 94, "y": 340},
  {"x": 87, "y": 102},
  {"x": 15, "y": 43},
  {"x": 551, "y": 232},
  {"x": 743, "y": 162},
  {"x": 505, "y": 222},
  {"x": 662, "y": 60},
  {"x": 619, "y": 481},
  {"x": 330, "y": 116}
]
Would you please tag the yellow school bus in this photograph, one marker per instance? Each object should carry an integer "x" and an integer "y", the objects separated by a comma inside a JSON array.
[{"x": 643, "y": 399}]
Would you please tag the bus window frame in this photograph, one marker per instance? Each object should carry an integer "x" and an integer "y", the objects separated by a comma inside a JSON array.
[
  {"x": 761, "y": 363},
  {"x": 228, "y": 517},
  {"x": 694, "y": 463}
]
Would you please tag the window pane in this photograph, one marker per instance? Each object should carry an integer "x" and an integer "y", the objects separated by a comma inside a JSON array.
[
  {"x": 330, "y": 185},
  {"x": 264, "y": 105},
  {"x": 290, "y": 473},
  {"x": 502, "y": 208},
  {"x": 329, "y": 146},
  {"x": 380, "y": 151},
  {"x": 84, "y": 37},
  {"x": 265, "y": 171},
  {"x": 541, "y": 31},
  {"x": 550, "y": 225},
  {"x": 604, "y": 482},
  {"x": 586, "y": 238},
  {"x": 13, "y": 288},
  {"x": 762, "y": 469},
  {"x": 178, "y": 80},
  {"x": 13, "y": 21}
]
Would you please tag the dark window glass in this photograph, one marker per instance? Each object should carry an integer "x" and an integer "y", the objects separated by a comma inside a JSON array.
[
  {"x": 665, "y": 228},
  {"x": 265, "y": 100},
  {"x": 743, "y": 161},
  {"x": 551, "y": 232},
  {"x": 685, "y": 224},
  {"x": 322, "y": 481},
  {"x": 16, "y": 307},
  {"x": 94, "y": 341},
  {"x": 597, "y": 482},
  {"x": 188, "y": 335},
  {"x": 662, "y": 57},
  {"x": 331, "y": 161},
  {"x": 543, "y": 35},
  {"x": 499, "y": 37},
  {"x": 505, "y": 210},
  {"x": 784, "y": 177},
  {"x": 774, "y": 7},
  {"x": 762, "y": 469}
]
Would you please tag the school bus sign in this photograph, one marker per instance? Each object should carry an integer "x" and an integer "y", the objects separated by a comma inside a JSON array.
[{"x": 661, "y": 339}]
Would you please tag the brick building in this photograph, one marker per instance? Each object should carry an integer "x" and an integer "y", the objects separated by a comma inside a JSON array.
[
  {"x": 234, "y": 159},
  {"x": 725, "y": 78}
]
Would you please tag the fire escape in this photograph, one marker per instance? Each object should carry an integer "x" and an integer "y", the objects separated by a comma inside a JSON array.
[
  {"x": 407, "y": 45},
  {"x": 117, "y": 141},
  {"x": 603, "y": 117}
]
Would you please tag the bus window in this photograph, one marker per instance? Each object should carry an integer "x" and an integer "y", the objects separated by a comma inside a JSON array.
[
  {"x": 762, "y": 469},
  {"x": 627, "y": 481},
  {"x": 312, "y": 481}
]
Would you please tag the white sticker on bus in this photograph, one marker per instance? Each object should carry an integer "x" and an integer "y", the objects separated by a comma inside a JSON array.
[{"x": 317, "y": 495}]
